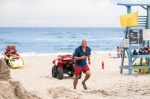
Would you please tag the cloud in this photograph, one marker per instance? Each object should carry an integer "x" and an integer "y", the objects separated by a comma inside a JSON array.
[{"x": 61, "y": 12}]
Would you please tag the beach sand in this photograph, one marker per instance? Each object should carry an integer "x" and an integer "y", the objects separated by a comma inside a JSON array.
[{"x": 36, "y": 78}]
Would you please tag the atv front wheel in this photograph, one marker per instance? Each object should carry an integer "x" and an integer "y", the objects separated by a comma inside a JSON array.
[
  {"x": 60, "y": 73},
  {"x": 54, "y": 73}
]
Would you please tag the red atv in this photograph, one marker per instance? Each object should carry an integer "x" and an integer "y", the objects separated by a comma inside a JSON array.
[{"x": 63, "y": 65}]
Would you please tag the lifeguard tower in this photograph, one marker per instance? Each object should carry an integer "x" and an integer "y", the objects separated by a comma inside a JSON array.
[{"x": 144, "y": 22}]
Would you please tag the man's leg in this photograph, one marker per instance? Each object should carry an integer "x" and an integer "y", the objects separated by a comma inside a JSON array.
[
  {"x": 77, "y": 72},
  {"x": 87, "y": 76},
  {"x": 75, "y": 82},
  {"x": 121, "y": 54}
]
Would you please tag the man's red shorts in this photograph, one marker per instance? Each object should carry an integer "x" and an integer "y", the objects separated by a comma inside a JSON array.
[{"x": 78, "y": 70}]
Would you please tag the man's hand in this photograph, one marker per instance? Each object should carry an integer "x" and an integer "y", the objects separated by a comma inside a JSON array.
[
  {"x": 89, "y": 62},
  {"x": 83, "y": 57}
]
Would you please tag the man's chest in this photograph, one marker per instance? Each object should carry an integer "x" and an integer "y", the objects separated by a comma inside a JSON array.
[{"x": 81, "y": 53}]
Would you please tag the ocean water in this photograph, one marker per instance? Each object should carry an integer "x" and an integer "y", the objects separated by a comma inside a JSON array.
[{"x": 42, "y": 40}]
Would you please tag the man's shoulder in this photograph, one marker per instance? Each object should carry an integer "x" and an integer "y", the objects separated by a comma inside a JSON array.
[
  {"x": 78, "y": 48},
  {"x": 88, "y": 48}
]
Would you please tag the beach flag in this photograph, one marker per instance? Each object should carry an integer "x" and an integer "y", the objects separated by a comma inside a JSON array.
[{"x": 130, "y": 19}]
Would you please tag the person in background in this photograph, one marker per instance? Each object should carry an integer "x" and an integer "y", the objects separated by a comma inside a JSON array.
[
  {"x": 119, "y": 52},
  {"x": 80, "y": 56}
]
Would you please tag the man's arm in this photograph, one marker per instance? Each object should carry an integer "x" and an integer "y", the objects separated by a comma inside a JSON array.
[
  {"x": 89, "y": 59},
  {"x": 79, "y": 58}
]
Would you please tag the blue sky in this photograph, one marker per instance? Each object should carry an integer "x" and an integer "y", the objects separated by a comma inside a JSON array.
[{"x": 64, "y": 13}]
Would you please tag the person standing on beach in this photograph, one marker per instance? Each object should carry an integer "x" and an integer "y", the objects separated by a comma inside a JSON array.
[
  {"x": 119, "y": 52},
  {"x": 80, "y": 55}
]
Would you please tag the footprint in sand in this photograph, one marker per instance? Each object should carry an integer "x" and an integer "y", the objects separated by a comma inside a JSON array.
[
  {"x": 62, "y": 92},
  {"x": 100, "y": 92}
]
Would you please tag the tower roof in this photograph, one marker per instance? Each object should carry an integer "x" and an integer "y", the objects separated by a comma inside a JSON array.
[{"x": 138, "y": 4}]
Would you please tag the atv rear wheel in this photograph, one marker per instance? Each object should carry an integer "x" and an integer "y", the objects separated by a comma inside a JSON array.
[
  {"x": 72, "y": 74},
  {"x": 60, "y": 73},
  {"x": 54, "y": 73}
]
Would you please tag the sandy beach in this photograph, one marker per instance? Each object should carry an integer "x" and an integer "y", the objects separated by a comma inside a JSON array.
[{"x": 36, "y": 78}]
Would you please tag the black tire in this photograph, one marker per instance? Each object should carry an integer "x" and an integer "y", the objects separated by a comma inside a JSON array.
[
  {"x": 54, "y": 73},
  {"x": 72, "y": 74},
  {"x": 60, "y": 73}
]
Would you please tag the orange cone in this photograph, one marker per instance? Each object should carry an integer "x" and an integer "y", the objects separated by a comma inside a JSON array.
[{"x": 102, "y": 64}]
